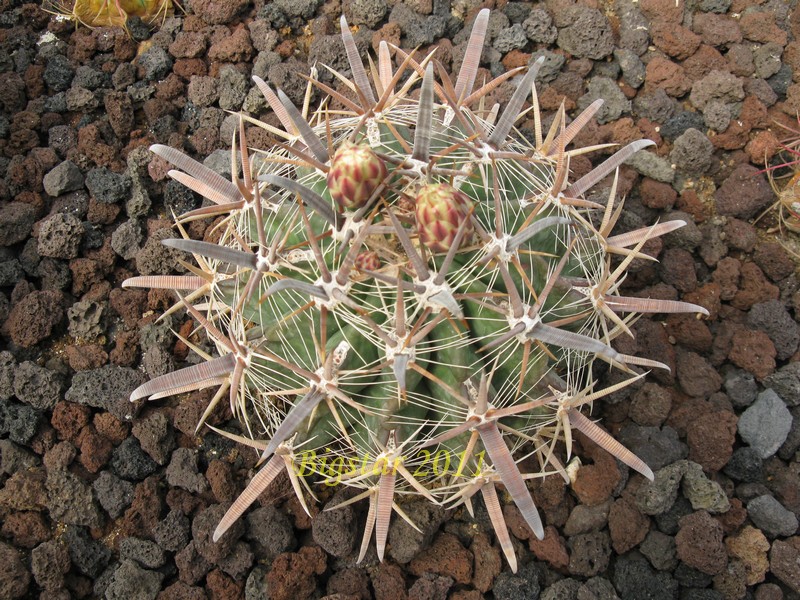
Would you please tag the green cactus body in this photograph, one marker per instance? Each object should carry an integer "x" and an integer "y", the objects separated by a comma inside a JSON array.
[{"x": 353, "y": 326}]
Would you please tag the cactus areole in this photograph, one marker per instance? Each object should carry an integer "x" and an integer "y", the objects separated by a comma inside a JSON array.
[{"x": 407, "y": 295}]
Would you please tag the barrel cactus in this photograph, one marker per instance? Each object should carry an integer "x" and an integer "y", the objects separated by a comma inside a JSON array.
[{"x": 407, "y": 295}]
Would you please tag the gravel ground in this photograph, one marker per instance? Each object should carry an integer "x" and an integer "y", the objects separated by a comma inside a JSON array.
[{"x": 100, "y": 498}]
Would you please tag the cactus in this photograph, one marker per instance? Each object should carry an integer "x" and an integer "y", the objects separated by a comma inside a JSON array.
[
  {"x": 410, "y": 291},
  {"x": 111, "y": 13}
]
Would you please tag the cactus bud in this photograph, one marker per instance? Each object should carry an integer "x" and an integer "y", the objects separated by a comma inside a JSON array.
[
  {"x": 440, "y": 211},
  {"x": 368, "y": 261},
  {"x": 356, "y": 171}
]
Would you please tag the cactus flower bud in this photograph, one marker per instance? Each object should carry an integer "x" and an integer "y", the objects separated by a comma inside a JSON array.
[
  {"x": 355, "y": 173},
  {"x": 368, "y": 261},
  {"x": 440, "y": 211}
]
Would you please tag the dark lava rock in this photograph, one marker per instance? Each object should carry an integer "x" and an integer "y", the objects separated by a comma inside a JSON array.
[
  {"x": 64, "y": 177},
  {"x": 107, "y": 388},
  {"x": 635, "y": 579},
  {"x": 90, "y": 557},
  {"x": 174, "y": 532},
  {"x": 14, "y": 577},
  {"x": 16, "y": 222},
  {"x": 7, "y": 368},
  {"x": 70, "y": 500},
  {"x": 131, "y": 581},
  {"x": 154, "y": 64},
  {"x": 19, "y": 421},
  {"x": 148, "y": 554},
  {"x": 106, "y": 186},
  {"x": 404, "y": 541},
  {"x": 771, "y": 517},
  {"x": 786, "y": 383},
  {"x": 49, "y": 563},
  {"x": 156, "y": 436},
  {"x": 334, "y": 529},
  {"x": 773, "y": 319},
  {"x": 130, "y": 462},
  {"x": 520, "y": 586},
  {"x": 269, "y": 532},
  {"x": 659, "y": 548},
  {"x": 60, "y": 236},
  {"x": 203, "y": 527},
  {"x": 113, "y": 493},
  {"x": 155, "y": 258},
  {"x": 588, "y": 36},
  {"x": 765, "y": 425},
  {"x": 741, "y": 387},
  {"x": 744, "y": 193},
  {"x": 58, "y": 73},
  {"x": 745, "y": 466},
  {"x": 589, "y": 553},
  {"x": 539, "y": 26},
  {"x": 192, "y": 567},
  {"x": 365, "y": 12},
  {"x": 696, "y": 376},
  {"x": 691, "y": 152},
  {"x": 657, "y": 447},
  {"x": 182, "y": 471},
  {"x": 37, "y": 386},
  {"x": 615, "y": 103},
  {"x": 417, "y": 29}
]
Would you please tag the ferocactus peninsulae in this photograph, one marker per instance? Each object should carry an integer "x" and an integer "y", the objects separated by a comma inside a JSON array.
[{"x": 411, "y": 290}]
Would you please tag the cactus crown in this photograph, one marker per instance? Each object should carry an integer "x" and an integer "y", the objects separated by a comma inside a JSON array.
[{"x": 411, "y": 289}]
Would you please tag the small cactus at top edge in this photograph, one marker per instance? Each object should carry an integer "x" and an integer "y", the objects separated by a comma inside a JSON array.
[
  {"x": 407, "y": 295},
  {"x": 111, "y": 13}
]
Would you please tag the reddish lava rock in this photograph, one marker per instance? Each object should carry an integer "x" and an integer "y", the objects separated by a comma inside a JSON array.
[
  {"x": 597, "y": 480},
  {"x": 33, "y": 318},
  {"x": 665, "y": 74},
  {"x": 388, "y": 582},
  {"x": 95, "y": 449},
  {"x": 666, "y": 11},
  {"x": 292, "y": 576},
  {"x": 26, "y": 529},
  {"x": 699, "y": 543},
  {"x": 762, "y": 147},
  {"x": 754, "y": 288},
  {"x": 743, "y": 193},
  {"x": 222, "y": 587},
  {"x": 696, "y": 376},
  {"x": 69, "y": 419},
  {"x": 217, "y": 12},
  {"x": 753, "y": 351},
  {"x": 488, "y": 563},
  {"x": 710, "y": 438},
  {"x": 552, "y": 549},
  {"x": 773, "y": 260},
  {"x": 656, "y": 194},
  {"x": 445, "y": 556},
  {"x": 717, "y": 30},
  {"x": 691, "y": 332},
  {"x": 675, "y": 40},
  {"x": 784, "y": 562},
  {"x": 760, "y": 26},
  {"x": 628, "y": 526}
]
